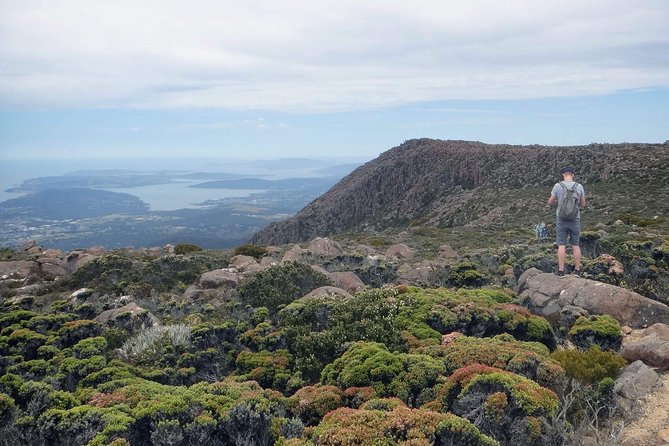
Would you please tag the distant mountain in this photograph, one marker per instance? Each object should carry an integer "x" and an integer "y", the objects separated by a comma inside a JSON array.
[{"x": 457, "y": 183}]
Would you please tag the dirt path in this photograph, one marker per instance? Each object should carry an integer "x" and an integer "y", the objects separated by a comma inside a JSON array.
[{"x": 655, "y": 418}]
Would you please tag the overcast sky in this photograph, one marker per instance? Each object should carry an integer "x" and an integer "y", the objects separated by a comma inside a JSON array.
[{"x": 330, "y": 78}]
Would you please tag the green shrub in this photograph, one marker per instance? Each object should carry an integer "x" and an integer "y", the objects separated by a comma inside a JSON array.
[
  {"x": 279, "y": 285},
  {"x": 311, "y": 403},
  {"x": 401, "y": 426},
  {"x": 269, "y": 369},
  {"x": 528, "y": 359},
  {"x": 250, "y": 249},
  {"x": 590, "y": 366},
  {"x": 186, "y": 248},
  {"x": 409, "y": 377},
  {"x": 637, "y": 220}
]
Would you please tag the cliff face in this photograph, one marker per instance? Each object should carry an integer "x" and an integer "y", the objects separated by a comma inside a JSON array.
[{"x": 451, "y": 183}]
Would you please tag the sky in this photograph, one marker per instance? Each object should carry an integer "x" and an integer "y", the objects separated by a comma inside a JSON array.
[{"x": 204, "y": 78}]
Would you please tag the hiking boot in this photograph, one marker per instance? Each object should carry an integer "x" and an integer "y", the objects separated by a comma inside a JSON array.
[
  {"x": 576, "y": 273},
  {"x": 559, "y": 273}
]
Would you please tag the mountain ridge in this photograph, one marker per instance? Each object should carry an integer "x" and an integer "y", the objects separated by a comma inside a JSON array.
[{"x": 456, "y": 183}]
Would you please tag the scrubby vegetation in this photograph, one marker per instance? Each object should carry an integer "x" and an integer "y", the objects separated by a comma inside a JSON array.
[{"x": 139, "y": 354}]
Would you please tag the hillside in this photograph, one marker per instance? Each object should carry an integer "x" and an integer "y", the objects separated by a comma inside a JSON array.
[{"x": 427, "y": 182}]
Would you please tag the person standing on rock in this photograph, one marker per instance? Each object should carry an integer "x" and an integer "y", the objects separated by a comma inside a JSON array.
[{"x": 568, "y": 224}]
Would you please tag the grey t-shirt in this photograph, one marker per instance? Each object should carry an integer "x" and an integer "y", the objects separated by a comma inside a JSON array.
[{"x": 558, "y": 191}]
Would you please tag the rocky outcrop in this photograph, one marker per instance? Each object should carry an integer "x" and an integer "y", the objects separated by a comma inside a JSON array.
[
  {"x": 455, "y": 183},
  {"x": 650, "y": 346},
  {"x": 547, "y": 294}
]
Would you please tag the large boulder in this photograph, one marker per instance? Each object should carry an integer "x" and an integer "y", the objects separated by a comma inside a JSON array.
[
  {"x": 219, "y": 278},
  {"x": 76, "y": 259},
  {"x": 425, "y": 273},
  {"x": 17, "y": 268},
  {"x": 650, "y": 346},
  {"x": 347, "y": 280},
  {"x": 324, "y": 247},
  {"x": 636, "y": 381},
  {"x": 400, "y": 251},
  {"x": 294, "y": 254},
  {"x": 547, "y": 294},
  {"x": 242, "y": 263}
]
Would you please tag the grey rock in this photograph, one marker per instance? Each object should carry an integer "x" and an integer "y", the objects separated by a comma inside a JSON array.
[
  {"x": 17, "y": 268},
  {"x": 80, "y": 295},
  {"x": 51, "y": 270},
  {"x": 446, "y": 252},
  {"x": 219, "y": 278},
  {"x": 400, "y": 251},
  {"x": 347, "y": 280},
  {"x": 139, "y": 317},
  {"x": 547, "y": 294},
  {"x": 194, "y": 293},
  {"x": 652, "y": 348},
  {"x": 53, "y": 253},
  {"x": 329, "y": 291},
  {"x": 76, "y": 259},
  {"x": 636, "y": 380},
  {"x": 425, "y": 273},
  {"x": 324, "y": 247},
  {"x": 241, "y": 263},
  {"x": 294, "y": 254}
]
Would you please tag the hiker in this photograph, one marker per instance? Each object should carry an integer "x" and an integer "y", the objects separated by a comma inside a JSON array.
[{"x": 570, "y": 197}]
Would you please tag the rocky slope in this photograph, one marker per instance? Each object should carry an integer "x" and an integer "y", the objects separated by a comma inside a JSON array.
[{"x": 458, "y": 183}]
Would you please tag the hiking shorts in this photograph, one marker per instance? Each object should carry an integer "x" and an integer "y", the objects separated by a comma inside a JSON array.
[{"x": 568, "y": 229}]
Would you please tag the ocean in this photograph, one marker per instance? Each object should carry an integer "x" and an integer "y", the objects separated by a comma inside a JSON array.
[{"x": 161, "y": 197}]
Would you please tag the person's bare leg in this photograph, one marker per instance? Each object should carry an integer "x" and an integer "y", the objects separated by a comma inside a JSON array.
[
  {"x": 577, "y": 256},
  {"x": 561, "y": 255}
]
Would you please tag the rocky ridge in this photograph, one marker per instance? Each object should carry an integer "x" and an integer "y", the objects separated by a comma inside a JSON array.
[{"x": 462, "y": 183}]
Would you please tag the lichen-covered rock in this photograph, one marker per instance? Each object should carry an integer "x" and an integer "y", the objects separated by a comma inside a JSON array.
[{"x": 547, "y": 294}]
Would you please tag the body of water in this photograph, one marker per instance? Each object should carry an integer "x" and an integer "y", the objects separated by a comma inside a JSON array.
[{"x": 161, "y": 197}]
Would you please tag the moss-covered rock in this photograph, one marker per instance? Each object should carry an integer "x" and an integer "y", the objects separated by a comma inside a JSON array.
[{"x": 602, "y": 330}]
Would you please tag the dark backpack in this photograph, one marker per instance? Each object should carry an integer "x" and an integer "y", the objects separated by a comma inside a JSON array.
[{"x": 568, "y": 204}]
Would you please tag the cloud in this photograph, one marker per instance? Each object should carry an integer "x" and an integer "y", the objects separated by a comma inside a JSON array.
[{"x": 330, "y": 55}]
